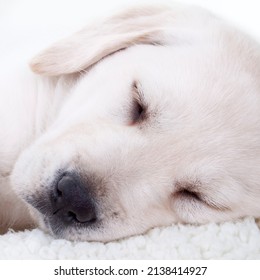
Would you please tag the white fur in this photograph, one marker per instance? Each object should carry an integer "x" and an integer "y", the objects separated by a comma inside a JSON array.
[{"x": 200, "y": 81}]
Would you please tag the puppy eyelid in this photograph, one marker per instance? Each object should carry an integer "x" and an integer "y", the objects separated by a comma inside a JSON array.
[{"x": 139, "y": 107}]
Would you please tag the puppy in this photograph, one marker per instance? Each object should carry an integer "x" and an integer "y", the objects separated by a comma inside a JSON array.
[{"x": 149, "y": 118}]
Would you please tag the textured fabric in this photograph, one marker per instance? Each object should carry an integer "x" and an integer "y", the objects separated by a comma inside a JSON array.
[{"x": 238, "y": 240}]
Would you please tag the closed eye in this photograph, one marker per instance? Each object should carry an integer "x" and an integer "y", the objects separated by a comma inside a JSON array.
[
  {"x": 138, "y": 112},
  {"x": 187, "y": 195},
  {"x": 139, "y": 109}
]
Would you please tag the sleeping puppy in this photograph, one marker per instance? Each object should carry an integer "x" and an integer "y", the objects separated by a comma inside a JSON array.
[{"x": 149, "y": 118}]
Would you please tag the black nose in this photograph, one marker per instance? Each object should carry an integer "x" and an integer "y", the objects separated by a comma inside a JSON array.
[{"x": 71, "y": 201}]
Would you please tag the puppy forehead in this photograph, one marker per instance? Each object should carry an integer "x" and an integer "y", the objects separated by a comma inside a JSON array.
[
  {"x": 164, "y": 64},
  {"x": 152, "y": 66}
]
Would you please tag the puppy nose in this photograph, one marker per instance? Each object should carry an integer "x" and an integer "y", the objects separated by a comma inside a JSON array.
[{"x": 72, "y": 202}]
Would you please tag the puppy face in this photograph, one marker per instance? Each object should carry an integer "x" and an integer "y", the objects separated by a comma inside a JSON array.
[{"x": 165, "y": 130}]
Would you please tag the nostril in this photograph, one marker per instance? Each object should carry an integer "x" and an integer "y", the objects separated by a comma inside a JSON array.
[
  {"x": 87, "y": 217},
  {"x": 71, "y": 216},
  {"x": 59, "y": 193}
]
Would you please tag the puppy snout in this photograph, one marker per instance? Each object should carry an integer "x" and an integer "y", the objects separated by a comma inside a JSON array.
[{"x": 72, "y": 202}]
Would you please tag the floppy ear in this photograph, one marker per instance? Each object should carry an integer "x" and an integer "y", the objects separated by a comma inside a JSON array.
[{"x": 88, "y": 46}]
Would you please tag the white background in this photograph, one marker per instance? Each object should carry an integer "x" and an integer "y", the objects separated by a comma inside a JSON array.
[
  {"x": 22, "y": 14},
  {"x": 30, "y": 12}
]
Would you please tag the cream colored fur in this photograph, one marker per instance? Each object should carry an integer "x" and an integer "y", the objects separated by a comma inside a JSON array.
[{"x": 193, "y": 158}]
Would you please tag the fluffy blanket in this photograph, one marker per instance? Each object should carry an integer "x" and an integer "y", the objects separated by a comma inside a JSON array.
[{"x": 232, "y": 240}]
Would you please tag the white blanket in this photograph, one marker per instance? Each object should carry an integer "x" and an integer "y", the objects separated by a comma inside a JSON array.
[{"x": 237, "y": 240}]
